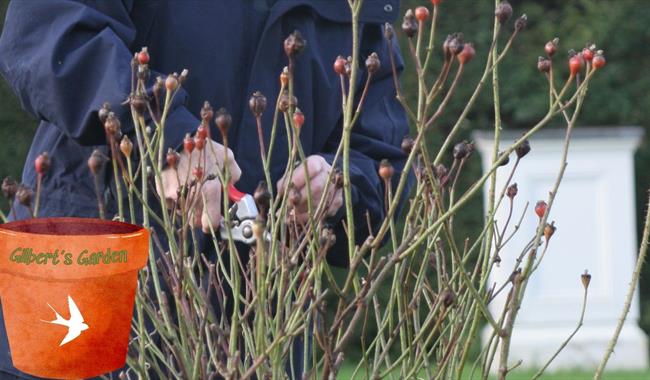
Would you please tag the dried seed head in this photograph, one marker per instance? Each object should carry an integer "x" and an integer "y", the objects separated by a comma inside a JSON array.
[
  {"x": 24, "y": 195},
  {"x": 262, "y": 198},
  {"x": 138, "y": 103},
  {"x": 407, "y": 144},
  {"x": 456, "y": 43},
  {"x": 42, "y": 163},
  {"x": 521, "y": 22},
  {"x": 158, "y": 87},
  {"x": 327, "y": 236},
  {"x": 540, "y": 208},
  {"x": 551, "y": 46},
  {"x": 441, "y": 171},
  {"x": 372, "y": 63},
  {"x": 512, "y": 191},
  {"x": 339, "y": 65},
  {"x": 549, "y": 230},
  {"x": 463, "y": 150},
  {"x": 223, "y": 121},
  {"x": 447, "y": 297},
  {"x": 389, "y": 32},
  {"x": 103, "y": 112},
  {"x": 112, "y": 125},
  {"x": 466, "y": 54},
  {"x": 522, "y": 149},
  {"x": 284, "y": 76},
  {"x": 96, "y": 161},
  {"x": 505, "y": 160},
  {"x": 285, "y": 103},
  {"x": 9, "y": 188},
  {"x": 348, "y": 66},
  {"x": 586, "y": 279},
  {"x": 294, "y": 44},
  {"x": 386, "y": 170},
  {"x": 409, "y": 24},
  {"x": 207, "y": 113},
  {"x": 503, "y": 11},
  {"x": 188, "y": 144},
  {"x": 126, "y": 146},
  {"x": 172, "y": 158},
  {"x": 257, "y": 103},
  {"x": 543, "y": 64}
]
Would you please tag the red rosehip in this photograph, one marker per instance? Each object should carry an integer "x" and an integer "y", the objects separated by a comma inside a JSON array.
[
  {"x": 199, "y": 142},
  {"x": 143, "y": 56},
  {"x": 551, "y": 47},
  {"x": 42, "y": 163},
  {"x": 386, "y": 170},
  {"x": 188, "y": 144},
  {"x": 339, "y": 65},
  {"x": 284, "y": 76},
  {"x": 540, "y": 208},
  {"x": 202, "y": 132},
  {"x": 587, "y": 54},
  {"x": 598, "y": 60},
  {"x": 436, "y": 2},
  {"x": 421, "y": 13},
  {"x": 172, "y": 158},
  {"x": 197, "y": 172},
  {"x": 298, "y": 118},
  {"x": 466, "y": 54},
  {"x": 575, "y": 65},
  {"x": 171, "y": 83}
]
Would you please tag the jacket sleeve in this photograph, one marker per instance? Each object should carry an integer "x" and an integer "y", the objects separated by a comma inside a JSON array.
[
  {"x": 377, "y": 135},
  {"x": 65, "y": 58}
]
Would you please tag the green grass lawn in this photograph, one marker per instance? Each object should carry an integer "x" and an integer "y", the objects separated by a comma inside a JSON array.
[{"x": 346, "y": 373}]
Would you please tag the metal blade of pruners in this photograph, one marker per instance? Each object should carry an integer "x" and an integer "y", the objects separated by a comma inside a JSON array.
[{"x": 242, "y": 214}]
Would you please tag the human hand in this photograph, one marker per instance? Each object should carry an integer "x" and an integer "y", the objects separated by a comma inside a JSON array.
[
  {"x": 211, "y": 159},
  {"x": 319, "y": 171}
]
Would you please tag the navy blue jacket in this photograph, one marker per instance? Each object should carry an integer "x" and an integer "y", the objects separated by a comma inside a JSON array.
[{"x": 65, "y": 58}]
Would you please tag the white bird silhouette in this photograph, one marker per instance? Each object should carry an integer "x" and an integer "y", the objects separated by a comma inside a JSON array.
[{"x": 75, "y": 324}]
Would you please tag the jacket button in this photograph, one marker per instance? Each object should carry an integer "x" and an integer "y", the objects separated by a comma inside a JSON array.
[{"x": 388, "y": 8}]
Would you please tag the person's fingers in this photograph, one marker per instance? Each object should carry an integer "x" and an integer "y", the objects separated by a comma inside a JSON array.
[
  {"x": 211, "y": 214},
  {"x": 169, "y": 185},
  {"x": 336, "y": 204},
  {"x": 315, "y": 164},
  {"x": 317, "y": 186}
]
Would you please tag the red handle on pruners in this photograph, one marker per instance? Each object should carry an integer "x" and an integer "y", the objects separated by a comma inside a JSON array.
[{"x": 233, "y": 194}]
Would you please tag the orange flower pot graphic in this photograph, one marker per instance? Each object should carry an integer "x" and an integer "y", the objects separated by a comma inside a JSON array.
[{"x": 68, "y": 288}]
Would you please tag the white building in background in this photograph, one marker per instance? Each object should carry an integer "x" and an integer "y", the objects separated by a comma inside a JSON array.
[{"x": 594, "y": 213}]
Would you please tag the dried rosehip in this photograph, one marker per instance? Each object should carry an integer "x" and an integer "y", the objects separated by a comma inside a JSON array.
[
  {"x": 172, "y": 158},
  {"x": 462, "y": 150},
  {"x": 372, "y": 63},
  {"x": 456, "y": 43},
  {"x": 9, "y": 188},
  {"x": 223, "y": 121},
  {"x": 262, "y": 197},
  {"x": 543, "y": 64},
  {"x": 284, "y": 76},
  {"x": 522, "y": 149},
  {"x": 599, "y": 60},
  {"x": 386, "y": 170},
  {"x": 126, "y": 146},
  {"x": 407, "y": 144},
  {"x": 466, "y": 54},
  {"x": 421, "y": 13},
  {"x": 143, "y": 56},
  {"x": 103, "y": 112},
  {"x": 188, "y": 144},
  {"x": 409, "y": 25},
  {"x": 42, "y": 163},
  {"x": 549, "y": 230},
  {"x": 339, "y": 65},
  {"x": 207, "y": 113},
  {"x": 551, "y": 46},
  {"x": 257, "y": 103},
  {"x": 512, "y": 191},
  {"x": 540, "y": 208},
  {"x": 138, "y": 103},
  {"x": 199, "y": 143},
  {"x": 389, "y": 32},
  {"x": 294, "y": 44},
  {"x": 285, "y": 103},
  {"x": 298, "y": 118},
  {"x": 504, "y": 161},
  {"x": 503, "y": 11},
  {"x": 441, "y": 171},
  {"x": 96, "y": 161},
  {"x": 112, "y": 124},
  {"x": 24, "y": 195},
  {"x": 448, "y": 298}
]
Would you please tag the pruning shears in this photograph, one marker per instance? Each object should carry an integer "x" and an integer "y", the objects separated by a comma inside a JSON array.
[{"x": 242, "y": 214}]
